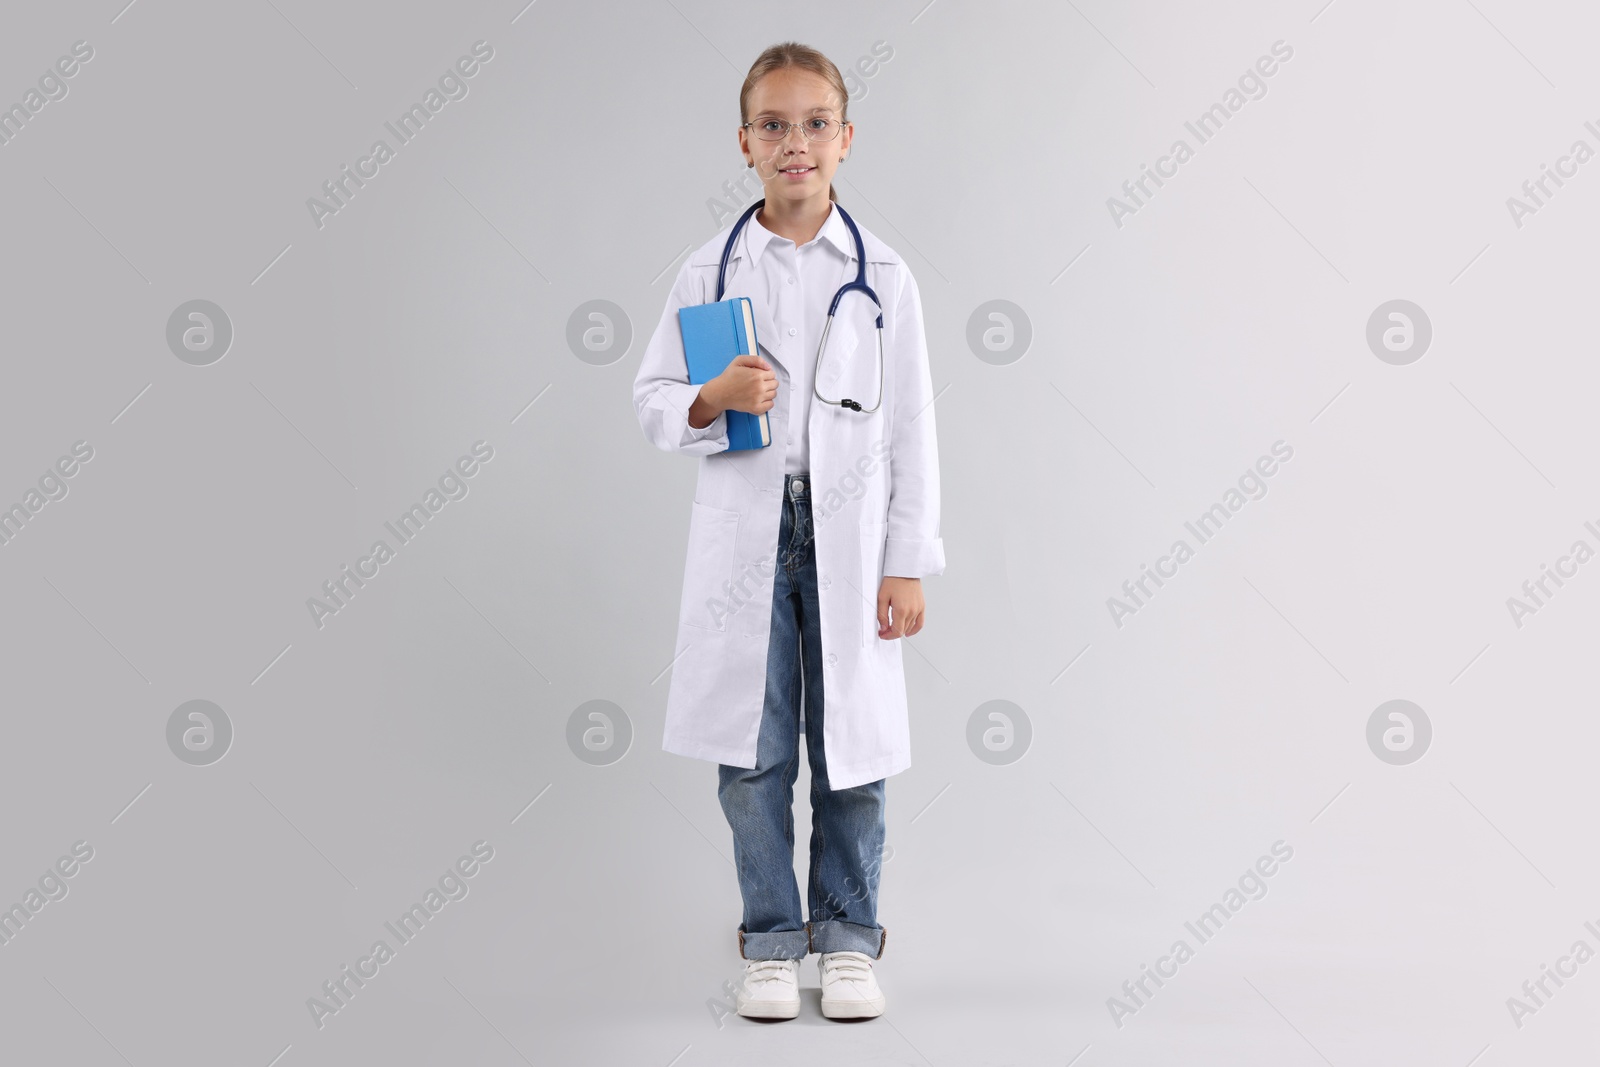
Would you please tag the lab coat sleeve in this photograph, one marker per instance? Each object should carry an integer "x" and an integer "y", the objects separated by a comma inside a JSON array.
[
  {"x": 913, "y": 548},
  {"x": 662, "y": 392}
]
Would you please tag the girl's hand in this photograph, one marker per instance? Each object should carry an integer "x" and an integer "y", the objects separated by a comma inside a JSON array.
[
  {"x": 746, "y": 384},
  {"x": 904, "y": 595}
]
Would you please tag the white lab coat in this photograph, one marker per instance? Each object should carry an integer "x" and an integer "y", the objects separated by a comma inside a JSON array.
[{"x": 875, "y": 506}]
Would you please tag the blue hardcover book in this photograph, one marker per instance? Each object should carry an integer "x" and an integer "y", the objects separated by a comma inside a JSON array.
[{"x": 713, "y": 335}]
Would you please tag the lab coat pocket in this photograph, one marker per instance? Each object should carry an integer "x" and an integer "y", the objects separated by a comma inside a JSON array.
[
  {"x": 872, "y": 535},
  {"x": 708, "y": 573}
]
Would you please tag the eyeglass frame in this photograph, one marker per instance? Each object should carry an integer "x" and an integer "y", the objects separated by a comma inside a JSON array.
[{"x": 787, "y": 126}]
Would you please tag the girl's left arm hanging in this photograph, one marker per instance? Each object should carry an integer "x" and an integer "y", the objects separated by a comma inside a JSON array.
[{"x": 914, "y": 548}]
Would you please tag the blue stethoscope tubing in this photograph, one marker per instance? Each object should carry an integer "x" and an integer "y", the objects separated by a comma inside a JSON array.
[{"x": 860, "y": 283}]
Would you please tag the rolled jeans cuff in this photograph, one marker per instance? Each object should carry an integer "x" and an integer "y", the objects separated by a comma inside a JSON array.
[
  {"x": 836, "y": 935},
  {"x": 776, "y": 945}
]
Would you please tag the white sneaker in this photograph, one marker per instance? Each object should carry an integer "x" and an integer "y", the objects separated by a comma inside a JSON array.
[
  {"x": 770, "y": 989},
  {"x": 849, "y": 988}
]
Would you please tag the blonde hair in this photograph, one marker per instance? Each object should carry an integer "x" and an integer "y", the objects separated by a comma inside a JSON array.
[{"x": 792, "y": 54}]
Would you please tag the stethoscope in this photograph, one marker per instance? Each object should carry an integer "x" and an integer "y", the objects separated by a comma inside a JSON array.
[{"x": 860, "y": 283}]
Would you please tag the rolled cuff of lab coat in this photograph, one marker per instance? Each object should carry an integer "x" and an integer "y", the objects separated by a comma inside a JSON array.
[
  {"x": 912, "y": 559},
  {"x": 708, "y": 439}
]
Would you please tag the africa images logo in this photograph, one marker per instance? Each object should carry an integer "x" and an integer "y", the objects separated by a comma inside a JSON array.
[
  {"x": 453, "y": 485},
  {"x": 1210, "y": 122},
  {"x": 452, "y": 886},
  {"x": 452, "y": 86},
  {"x": 1252, "y": 485},
  {"x": 1251, "y": 885}
]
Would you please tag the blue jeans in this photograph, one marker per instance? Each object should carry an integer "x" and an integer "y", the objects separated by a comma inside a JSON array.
[{"x": 847, "y": 827}]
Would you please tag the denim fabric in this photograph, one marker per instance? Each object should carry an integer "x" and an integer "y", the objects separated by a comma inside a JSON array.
[{"x": 847, "y": 826}]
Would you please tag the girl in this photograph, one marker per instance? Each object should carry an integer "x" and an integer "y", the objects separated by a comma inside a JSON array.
[{"x": 806, "y": 555}]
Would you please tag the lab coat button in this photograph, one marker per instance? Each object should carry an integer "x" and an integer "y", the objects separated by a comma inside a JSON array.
[
  {"x": 791, "y": 331},
  {"x": 833, "y": 658}
]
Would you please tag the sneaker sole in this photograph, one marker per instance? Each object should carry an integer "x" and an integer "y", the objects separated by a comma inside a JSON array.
[
  {"x": 853, "y": 1009},
  {"x": 770, "y": 1009}
]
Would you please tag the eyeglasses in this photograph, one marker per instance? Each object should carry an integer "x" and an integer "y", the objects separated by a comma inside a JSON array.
[{"x": 815, "y": 129}]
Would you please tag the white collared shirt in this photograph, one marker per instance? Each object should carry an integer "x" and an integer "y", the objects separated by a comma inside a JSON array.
[{"x": 802, "y": 280}]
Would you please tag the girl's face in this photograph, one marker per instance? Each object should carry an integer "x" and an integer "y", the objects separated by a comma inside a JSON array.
[{"x": 794, "y": 95}]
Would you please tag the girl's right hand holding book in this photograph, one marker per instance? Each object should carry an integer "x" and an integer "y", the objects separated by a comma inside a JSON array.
[{"x": 746, "y": 384}]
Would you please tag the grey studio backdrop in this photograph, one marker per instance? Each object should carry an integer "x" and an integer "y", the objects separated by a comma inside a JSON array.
[{"x": 1339, "y": 747}]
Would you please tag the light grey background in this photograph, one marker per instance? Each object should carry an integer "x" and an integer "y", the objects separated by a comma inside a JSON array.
[{"x": 433, "y": 711}]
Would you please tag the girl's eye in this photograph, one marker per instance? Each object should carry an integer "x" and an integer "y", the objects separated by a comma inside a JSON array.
[
  {"x": 819, "y": 124},
  {"x": 770, "y": 124}
]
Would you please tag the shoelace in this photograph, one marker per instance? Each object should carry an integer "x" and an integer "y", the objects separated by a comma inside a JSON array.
[{"x": 848, "y": 966}]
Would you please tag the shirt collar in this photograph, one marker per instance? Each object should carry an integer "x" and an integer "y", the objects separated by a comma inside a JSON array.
[{"x": 833, "y": 230}]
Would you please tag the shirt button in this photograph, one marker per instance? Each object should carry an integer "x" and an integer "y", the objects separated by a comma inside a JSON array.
[
  {"x": 791, "y": 331},
  {"x": 832, "y": 659},
  {"x": 791, "y": 281}
]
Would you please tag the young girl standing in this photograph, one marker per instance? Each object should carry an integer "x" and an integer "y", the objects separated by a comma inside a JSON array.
[{"x": 805, "y": 556}]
